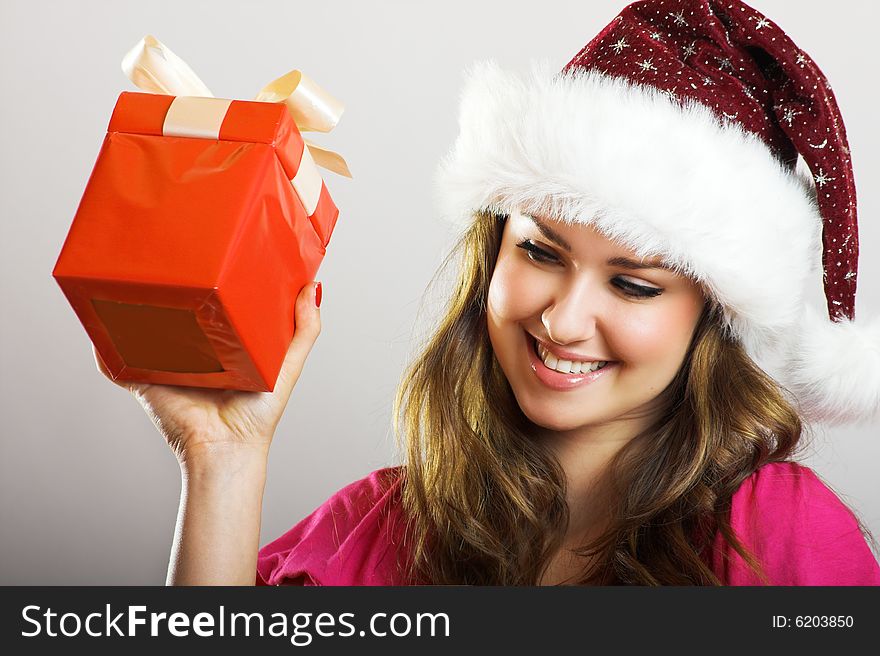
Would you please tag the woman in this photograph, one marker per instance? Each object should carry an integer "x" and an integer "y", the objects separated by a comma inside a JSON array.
[{"x": 594, "y": 406}]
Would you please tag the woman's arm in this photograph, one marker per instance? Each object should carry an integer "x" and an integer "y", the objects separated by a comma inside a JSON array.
[{"x": 218, "y": 524}]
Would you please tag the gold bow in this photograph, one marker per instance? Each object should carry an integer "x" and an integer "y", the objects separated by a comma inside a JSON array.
[{"x": 154, "y": 68}]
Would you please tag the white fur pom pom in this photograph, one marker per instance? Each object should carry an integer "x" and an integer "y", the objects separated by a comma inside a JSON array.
[{"x": 834, "y": 369}]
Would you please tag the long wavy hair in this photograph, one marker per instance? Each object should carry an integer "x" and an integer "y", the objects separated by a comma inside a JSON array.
[{"x": 486, "y": 501}]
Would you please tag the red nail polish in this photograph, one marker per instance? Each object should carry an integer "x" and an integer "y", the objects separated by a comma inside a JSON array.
[{"x": 318, "y": 295}]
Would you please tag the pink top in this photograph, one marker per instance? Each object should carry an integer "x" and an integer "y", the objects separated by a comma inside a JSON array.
[{"x": 796, "y": 526}]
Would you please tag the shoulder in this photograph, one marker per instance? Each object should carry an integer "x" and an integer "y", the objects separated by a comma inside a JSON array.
[
  {"x": 350, "y": 539},
  {"x": 800, "y": 530},
  {"x": 786, "y": 486},
  {"x": 791, "y": 495}
]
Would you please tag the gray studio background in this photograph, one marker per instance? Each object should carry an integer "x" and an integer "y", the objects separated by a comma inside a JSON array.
[{"x": 88, "y": 488}]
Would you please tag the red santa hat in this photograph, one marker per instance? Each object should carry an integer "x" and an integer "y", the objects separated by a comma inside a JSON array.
[{"x": 677, "y": 132}]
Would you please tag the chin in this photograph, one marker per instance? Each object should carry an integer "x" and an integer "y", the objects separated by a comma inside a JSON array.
[{"x": 548, "y": 418}]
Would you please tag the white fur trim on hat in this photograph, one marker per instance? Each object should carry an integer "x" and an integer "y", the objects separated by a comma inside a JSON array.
[
  {"x": 661, "y": 178},
  {"x": 834, "y": 369}
]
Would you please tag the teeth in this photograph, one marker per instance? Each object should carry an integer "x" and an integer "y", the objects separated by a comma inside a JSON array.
[{"x": 566, "y": 366}]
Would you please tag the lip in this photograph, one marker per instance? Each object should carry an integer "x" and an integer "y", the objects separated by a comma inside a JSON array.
[{"x": 559, "y": 381}]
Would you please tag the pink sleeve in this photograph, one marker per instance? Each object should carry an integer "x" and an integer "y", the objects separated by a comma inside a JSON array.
[
  {"x": 801, "y": 532},
  {"x": 345, "y": 541}
]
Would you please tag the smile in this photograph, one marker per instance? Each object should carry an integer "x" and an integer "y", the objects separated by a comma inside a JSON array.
[
  {"x": 555, "y": 379},
  {"x": 566, "y": 366}
]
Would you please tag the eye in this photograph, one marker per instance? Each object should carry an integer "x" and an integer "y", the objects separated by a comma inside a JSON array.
[
  {"x": 638, "y": 291},
  {"x": 629, "y": 288},
  {"x": 537, "y": 254}
]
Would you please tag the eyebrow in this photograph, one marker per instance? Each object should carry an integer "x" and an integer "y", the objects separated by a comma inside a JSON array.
[{"x": 619, "y": 261}]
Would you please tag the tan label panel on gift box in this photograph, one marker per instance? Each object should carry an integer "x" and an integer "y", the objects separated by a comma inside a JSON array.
[{"x": 176, "y": 341}]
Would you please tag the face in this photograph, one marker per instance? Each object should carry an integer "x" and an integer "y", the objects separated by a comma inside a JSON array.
[{"x": 562, "y": 300}]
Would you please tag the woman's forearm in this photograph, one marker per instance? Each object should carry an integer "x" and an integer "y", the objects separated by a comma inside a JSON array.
[{"x": 218, "y": 524}]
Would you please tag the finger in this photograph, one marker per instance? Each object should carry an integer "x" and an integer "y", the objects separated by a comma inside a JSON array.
[
  {"x": 99, "y": 363},
  {"x": 102, "y": 367},
  {"x": 307, "y": 327}
]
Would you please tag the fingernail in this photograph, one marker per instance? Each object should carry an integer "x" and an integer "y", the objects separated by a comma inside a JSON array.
[{"x": 318, "y": 295}]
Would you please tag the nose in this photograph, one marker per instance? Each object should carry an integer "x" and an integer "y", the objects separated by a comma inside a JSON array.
[{"x": 570, "y": 317}]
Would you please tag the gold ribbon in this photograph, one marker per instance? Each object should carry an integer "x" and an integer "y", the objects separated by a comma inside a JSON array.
[{"x": 154, "y": 68}]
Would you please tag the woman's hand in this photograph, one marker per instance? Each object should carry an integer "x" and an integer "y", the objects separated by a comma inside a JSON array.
[{"x": 200, "y": 421}]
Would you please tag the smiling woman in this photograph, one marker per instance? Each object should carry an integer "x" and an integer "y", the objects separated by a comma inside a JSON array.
[{"x": 594, "y": 405}]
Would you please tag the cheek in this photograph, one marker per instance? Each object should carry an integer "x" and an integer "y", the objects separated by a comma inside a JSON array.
[
  {"x": 515, "y": 293},
  {"x": 660, "y": 335}
]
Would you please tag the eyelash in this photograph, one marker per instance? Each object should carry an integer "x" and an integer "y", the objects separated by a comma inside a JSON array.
[{"x": 630, "y": 289}]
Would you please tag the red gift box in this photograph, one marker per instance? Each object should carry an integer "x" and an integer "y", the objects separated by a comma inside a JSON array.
[{"x": 187, "y": 253}]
